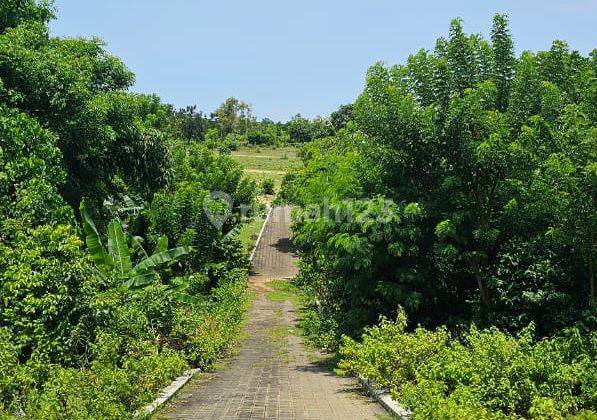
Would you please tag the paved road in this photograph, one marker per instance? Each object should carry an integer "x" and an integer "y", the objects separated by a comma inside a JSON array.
[{"x": 273, "y": 376}]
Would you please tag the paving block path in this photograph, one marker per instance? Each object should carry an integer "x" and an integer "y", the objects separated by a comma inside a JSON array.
[{"x": 273, "y": 376}]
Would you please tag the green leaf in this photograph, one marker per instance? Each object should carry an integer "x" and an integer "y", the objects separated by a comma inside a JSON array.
[
  {"x": 94, "y": 244},
  {"x": 141, "y": 280},
  {"x": 162, "y": 258},
  {"x": 137, "y": 245},
  {"x": 118, "y": 249},
  {"x": 162, "y": 245}
]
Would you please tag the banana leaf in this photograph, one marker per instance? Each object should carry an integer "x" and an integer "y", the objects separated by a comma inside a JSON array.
[
  {"x": 137, "y": 246},
  {"x": 92, "y": 238},
  {"x": 162, "y": 245},
  {"x": 161, "y": 258},
  {"x": 141, "y": 280},
  {"x": 119, "y": 250}
]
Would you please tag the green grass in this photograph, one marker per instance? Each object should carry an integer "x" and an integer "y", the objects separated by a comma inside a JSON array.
[
  {"x": 267, "y": 162},
  {"x": 249, "y": 232},
  {"x": 277, "y": 152},
  {"x": 284, "y": 290},
  {"x": 279, "y": 159}
]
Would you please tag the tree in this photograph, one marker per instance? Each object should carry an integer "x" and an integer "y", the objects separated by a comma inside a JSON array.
[
  {"x": 460, "y": 57},
  {"x": 341, "y": 117},
  {"x": 233, "y": 117},
  {"x": 14, "y": 12},
  {"x": 498, "y": 152},
  {"x": 189, "y": 124},
  {"x": 299, "y": 129},
  {"x": 78, "y": 91},
  {"x": 503, "y": 54}
]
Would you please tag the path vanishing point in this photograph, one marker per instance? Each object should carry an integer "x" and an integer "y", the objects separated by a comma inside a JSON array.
[{"x": 273, "y": 375}]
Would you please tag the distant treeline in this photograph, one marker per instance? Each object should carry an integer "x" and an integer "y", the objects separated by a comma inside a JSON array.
[{"x": 233, "y": 124}]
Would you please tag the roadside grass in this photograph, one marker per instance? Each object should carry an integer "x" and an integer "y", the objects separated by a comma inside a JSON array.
[
  {"x": 249, "y": 232},
  {"x": 289, "y": 152},
  {"x": 284, "y": 290}
]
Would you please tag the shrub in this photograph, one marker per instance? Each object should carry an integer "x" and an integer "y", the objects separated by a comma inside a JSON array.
[
  {"x": 205, "y": 332},
  {"x": 267, "y": 186},
  {"x": 13, "y": 374},
  {"x": 42, "y": 283},
  {"x": 488, "y": 372}
]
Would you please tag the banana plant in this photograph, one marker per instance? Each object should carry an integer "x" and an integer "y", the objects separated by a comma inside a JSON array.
[{"x": 117, "y": 258}]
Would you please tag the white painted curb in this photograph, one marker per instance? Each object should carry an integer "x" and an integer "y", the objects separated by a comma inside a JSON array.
[
  {"x": 179, "y": 382},
  {"x": 269, "y": 213},
  {"x": 166, "y": 393},
  {"x": 385, "y": 399}
]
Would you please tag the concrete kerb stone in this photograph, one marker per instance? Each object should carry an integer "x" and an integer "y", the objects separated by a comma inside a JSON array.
[
  {"x": 385, "y": 399},
  {"x": 167, "y": 393}
]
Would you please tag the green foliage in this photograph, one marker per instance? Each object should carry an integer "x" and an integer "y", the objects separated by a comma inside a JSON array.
[
  {"x": 203, "y": 335},
  {"x": 116, "y": 261},
  {"x": 339, "y": 119},
  {"x": 343, "y": 248},
  {"x": 15, "y": 12},
  {"x": 301, "y": 130},
  {"x": 486, "y": 374},
  {"x": 43, "y": 279},
  {"x": 78, "y": 342},
  {"x": 30, "y": 171},
  {"x": 74, "y": 88},
  {"x": 497, "y": 153},
  {"x": 267, "y": 186}
]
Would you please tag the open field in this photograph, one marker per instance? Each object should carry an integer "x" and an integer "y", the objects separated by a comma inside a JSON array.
[
  {"x": 268, "y": 158},
  {"x": 267, "y": 162}
]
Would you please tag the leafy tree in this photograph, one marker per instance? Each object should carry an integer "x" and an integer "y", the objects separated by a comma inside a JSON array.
[
  {"x": 30, "y": 172},
  {"x": 301, "y": 130},
  {"x": 233, "y": 117},
  {"x": 74, "y": 88},
  {"x": 498, "y": 152},
  {"x": 189, "y": 124},
  {"x": 340, "y": 118},
  {"x": 14, "y": 12},
  {"x": 460, "y": 57},
  {"x": 503, "y": 55}
]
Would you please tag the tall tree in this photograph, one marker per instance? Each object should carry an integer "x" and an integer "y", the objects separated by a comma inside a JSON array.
[
  {"x": 460, "y": 57},
  {"x": 504, "y": 61}
]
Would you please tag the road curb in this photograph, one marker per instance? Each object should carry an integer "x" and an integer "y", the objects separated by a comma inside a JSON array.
[
  {"x": 385, "y": 399},
  {"x": 166, "y": 393},
  {"x": 261, "y": 233}
]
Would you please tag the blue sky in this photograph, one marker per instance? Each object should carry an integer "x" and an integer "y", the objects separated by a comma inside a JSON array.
[{"x": 305, "y": 56}]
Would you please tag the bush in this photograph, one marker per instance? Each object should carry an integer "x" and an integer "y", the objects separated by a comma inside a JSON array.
[
  {"x": 267, "y": 186},
  {"x": 74, "y": 342},
  {"x": 142, "y": 341},
  {"x": 488, "y": 373},
  {"x": 43, "y": 281},
  {"x": 204, "y": 334}
]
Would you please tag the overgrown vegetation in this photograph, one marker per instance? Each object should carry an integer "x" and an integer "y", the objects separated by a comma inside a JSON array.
[
  {"x": 484, "y": 374},
  {"x": 462, "y": 189},
  {"x": 93, "y": 324},
  {"x": 457, "y": 192}
]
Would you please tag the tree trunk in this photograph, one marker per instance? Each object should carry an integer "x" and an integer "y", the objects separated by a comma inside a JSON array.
[
  {"x": 591, "y": 268},
  {"x": 483, "y": 291}
]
